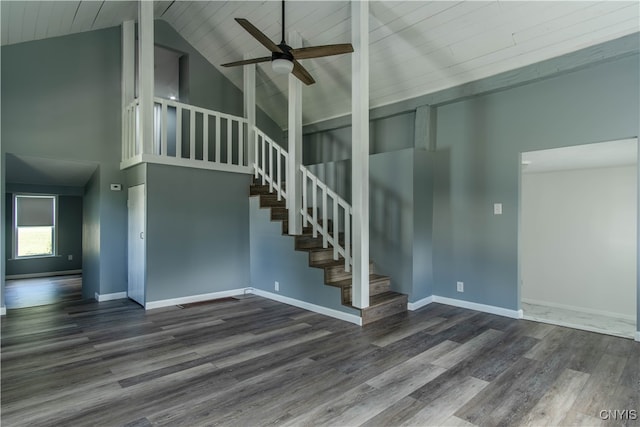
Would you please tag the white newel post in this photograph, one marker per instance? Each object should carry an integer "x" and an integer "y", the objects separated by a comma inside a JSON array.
[
  {"x": 360, "y": 151},
  {"x": 128, "y": 76},
  {"x": 294, "y": 180},
  {"x": 145, "y": 74},
  {"x": 249, "y": 82}
]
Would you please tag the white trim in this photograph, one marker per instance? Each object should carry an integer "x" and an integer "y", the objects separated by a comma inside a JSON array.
[
  {"x": 352, "y": 318},
  {"x": 46, "y": 274},
  {"x": 197, "y": 164},
  {"x": 637, "y": 338},
  {"x": 579, "y": 309},
  {"x": 514, "y": 314},
  {"x": 130, "y": 162},
  {"x": 193, "y": 298},
  {"x": 3, "y": 312},
  {"x": 109, "y": 297},
  {"x": 413, "y": 306}
]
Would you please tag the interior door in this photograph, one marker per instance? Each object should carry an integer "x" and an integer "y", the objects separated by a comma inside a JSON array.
[{"x": 137, "y": 245}]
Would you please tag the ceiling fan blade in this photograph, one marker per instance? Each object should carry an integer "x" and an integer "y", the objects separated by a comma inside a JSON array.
[
  {"x": 319, "y": 51},
  {"x": 301, "y": 73},
  {"x": 258, "y": 35},
  {"x": 247, "y": 61}
]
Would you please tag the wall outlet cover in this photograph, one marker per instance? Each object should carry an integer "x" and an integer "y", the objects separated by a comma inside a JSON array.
[{"x": 460, "y": 286}]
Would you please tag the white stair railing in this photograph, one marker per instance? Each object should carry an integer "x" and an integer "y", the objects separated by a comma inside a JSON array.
[
  {"x": 340, "y": 214},
  {"x": 270, "y": 163}
]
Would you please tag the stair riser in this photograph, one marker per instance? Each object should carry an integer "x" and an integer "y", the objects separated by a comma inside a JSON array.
[
  {"x": 308, "y": 230},
  {"x": 337, "y": 273},
  {"x": 375, "y": 288},
  {"x": 323, "y": 255},
  {"x": 395, "y": 306},
  {"x": 272, "y": 202}
]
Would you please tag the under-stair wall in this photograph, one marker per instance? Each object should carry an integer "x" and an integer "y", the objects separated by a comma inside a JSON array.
[{"x": 274, "y": 258}]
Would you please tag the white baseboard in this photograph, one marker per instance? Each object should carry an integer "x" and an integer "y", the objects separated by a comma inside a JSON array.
[
  {"x": 413, "y": 306},
  {"x": 637, "y": 336},
  {"x": 46, "y": 274},
  {"x": 352, "y": 318},
  {"x": 109, "y": 297},
  {"x": 3, "y": 311},
  {"x": 514, "y": 314},
  {"x": 580, "y": 309},
  {"x": 193, "y": 298}
]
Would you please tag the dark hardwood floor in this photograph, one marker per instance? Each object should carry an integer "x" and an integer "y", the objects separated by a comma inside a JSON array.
[
  {"x": 253, "y": 362},
  {"x": 21, "y": 293}
]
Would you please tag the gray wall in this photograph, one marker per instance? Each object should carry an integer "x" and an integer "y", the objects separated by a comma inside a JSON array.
[
  {"x": 456, "y": 237},
  {"x": 478, "y": 146},
  {"x": 60, "y": 100},
  {"x": 91, "y": 237},
  {"x": 197, "y": 231},
  {"x": 68, "y": 238}
]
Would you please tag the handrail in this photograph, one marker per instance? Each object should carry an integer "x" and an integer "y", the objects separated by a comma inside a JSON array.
[
  {"x": 264, "y": 167},
  {"x": 328, "y": 237}
]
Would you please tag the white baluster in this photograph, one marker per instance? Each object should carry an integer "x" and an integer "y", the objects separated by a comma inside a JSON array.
[
  {"x": 192, "y": 134},
  {"x": 263, "y": 160},
  {"x": 305, "y": 221},
  {"x": 336, "y": 232},
  {"x": 205, "y": 137},
  {"x": 218, "y": 142},
  {"x": 229, "y": 142},
  {"x": 325, "y": 234},
  {"x": 347, "y": 239},
  {"x": 314, "y": 182},
  {"x": 256, "y": 136},
  {"x": 178, "y": 132},
  {"x": 278, "y": 169},
  {"x": 240, "y": 144},
  {"x": 163, "y": 132}
]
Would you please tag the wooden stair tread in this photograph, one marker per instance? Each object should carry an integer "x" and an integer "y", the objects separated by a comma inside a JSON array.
[{"x": 328, "y": 263}]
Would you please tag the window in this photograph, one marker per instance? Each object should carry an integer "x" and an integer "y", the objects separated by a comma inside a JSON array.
[{"x": 34, "y": 225}]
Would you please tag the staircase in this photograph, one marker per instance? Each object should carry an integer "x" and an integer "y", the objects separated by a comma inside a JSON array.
[{"x": 383, "y": 302}]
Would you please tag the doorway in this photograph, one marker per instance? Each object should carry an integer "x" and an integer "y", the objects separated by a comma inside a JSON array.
[
  {"x": 578, "y": 231},
  {"x": 136, "y": 243}
]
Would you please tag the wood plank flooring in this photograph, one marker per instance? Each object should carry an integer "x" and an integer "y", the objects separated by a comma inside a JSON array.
[{"x": 254, "y": 362}]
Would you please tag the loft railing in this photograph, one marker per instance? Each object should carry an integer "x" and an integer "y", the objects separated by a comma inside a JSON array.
[{"x": 186, "y": 135}]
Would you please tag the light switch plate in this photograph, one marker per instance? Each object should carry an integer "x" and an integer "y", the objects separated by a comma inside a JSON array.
[{"x": 497, "y": 208}]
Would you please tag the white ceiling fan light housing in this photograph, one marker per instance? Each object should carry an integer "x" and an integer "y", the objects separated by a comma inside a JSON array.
[{"x": 282, "y": 66}]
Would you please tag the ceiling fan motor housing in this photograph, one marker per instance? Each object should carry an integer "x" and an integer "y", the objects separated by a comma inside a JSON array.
[{"x": 285, "y": 54}]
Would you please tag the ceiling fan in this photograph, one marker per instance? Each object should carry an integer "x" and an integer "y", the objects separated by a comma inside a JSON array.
[{"x": 284, "y": 58}]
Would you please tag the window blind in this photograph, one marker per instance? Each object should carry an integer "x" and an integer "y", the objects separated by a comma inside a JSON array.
[{"x": 35, "y": 211}]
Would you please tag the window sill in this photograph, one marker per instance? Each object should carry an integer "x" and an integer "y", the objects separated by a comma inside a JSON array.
[{"x": 22, "y": 258}]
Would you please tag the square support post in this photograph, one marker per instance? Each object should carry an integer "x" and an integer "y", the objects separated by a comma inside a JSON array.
[
  {"x": 360, "y": 151},
  {"x": 145, "y": 74},
  {"x": 294, "y": 176}
]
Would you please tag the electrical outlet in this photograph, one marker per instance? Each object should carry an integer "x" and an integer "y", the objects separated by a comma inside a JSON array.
[
  {"x": 277, "y": 286},
  {"x": 70, "y": 257},
  {"x": 460, "y": 286}
]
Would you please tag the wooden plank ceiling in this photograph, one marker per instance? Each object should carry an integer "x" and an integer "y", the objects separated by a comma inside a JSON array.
[{"x": 416, "y": 47}]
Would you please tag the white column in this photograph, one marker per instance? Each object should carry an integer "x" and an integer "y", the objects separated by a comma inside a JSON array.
[
  {"x": 128, "y": 73},
  {"x": 145, "y": 74},
  {"x": 360, "y": 151},
  {"x": 249, "y": 82},
  {"x": 294, "y": 180}
]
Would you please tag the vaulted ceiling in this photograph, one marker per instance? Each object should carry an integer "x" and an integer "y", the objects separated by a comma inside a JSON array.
[{"x": 416, "y": 47}]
